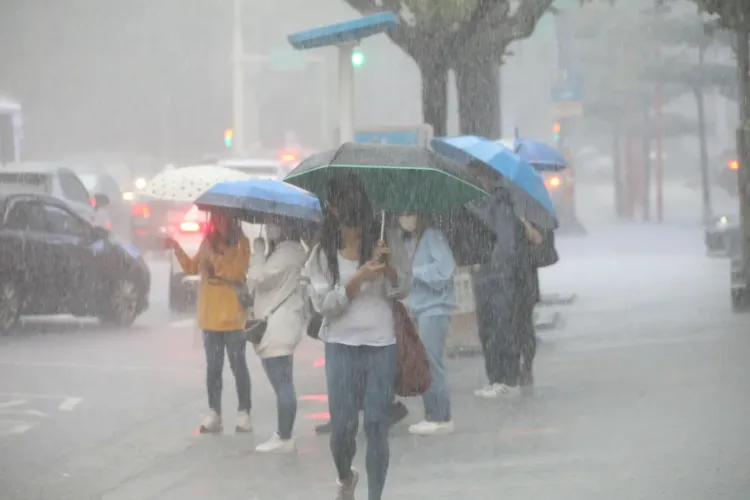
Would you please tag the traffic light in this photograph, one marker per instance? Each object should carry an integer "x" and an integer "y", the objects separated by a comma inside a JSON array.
[
  {"x": 358, "y": 58},
  {"x": 556, "y": 128},
  {"x": 733, "y": 165},
  {"x": 228, "y": 134}
]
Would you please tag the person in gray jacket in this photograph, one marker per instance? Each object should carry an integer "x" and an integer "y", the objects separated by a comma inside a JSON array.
[
  {"x": 353, "y": 281},
  {"x": 497, "y": 287}
]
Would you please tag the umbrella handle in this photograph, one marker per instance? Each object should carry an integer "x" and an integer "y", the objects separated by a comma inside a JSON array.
[{"x": 382, "y": 224}]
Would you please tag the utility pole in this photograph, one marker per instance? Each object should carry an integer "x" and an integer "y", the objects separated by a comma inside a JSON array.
[
  {"x": 743, "y": 136},
  {"x": 238, "y": 81}
]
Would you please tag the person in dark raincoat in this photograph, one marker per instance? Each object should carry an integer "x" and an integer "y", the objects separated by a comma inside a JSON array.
[{"x": 496, "y": 289}]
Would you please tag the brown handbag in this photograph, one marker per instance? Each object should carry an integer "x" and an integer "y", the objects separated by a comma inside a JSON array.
[{"x": 413, "y": 376}]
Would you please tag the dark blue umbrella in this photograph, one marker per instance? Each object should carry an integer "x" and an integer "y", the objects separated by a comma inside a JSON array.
[
  {"x": 262, "y": 200},
  {"x": 527, "y": 187},
  {"x": 538, "y": 154}
]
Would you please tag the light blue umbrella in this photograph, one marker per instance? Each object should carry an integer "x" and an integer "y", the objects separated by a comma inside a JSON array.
[
  {"x": 539, "y": 155},
  {"x": 526, "y": 186},
  {"x": 262, "y": 200}
]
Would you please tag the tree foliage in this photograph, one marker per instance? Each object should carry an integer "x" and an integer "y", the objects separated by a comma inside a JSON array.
[{"x": 468, "y": 36}]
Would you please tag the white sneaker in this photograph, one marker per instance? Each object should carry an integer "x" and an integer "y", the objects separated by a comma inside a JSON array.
[
  {"x": 495, "y": 391},
  {"x": 277, "y": 445},
  {"x": 425, "y": 428},
  {"x": 244, "y": 423},
  {"x": 346, "y": 491},
  {"x": 211, "y": 424}
]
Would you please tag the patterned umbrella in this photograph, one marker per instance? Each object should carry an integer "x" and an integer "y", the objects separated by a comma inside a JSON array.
[{"x": 186, "y": 184}]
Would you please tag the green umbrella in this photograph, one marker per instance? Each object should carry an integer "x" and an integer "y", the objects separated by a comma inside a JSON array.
[{"x": 396, "y": 178}]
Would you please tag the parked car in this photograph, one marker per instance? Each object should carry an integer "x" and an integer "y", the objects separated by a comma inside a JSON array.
[
  {"x": 117, "y": 212},
  {"x": 53, "y": 261},
  {"x": 56, "y": 180}
]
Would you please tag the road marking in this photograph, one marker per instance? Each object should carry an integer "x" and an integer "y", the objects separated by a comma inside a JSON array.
[
  {"x": 14, "y": 403},
  {"x": 34, "y": 413},
  {"x": 69, "y": 404},
  {"x": 16, "y": 427},
  {"x": 182, "y": 323}
]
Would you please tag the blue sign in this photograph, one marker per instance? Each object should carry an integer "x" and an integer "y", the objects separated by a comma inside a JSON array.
[
  {"x": 403, "y": 137},
  {"x": 570, "y": 89}
]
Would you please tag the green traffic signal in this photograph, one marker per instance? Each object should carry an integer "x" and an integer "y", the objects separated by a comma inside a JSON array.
[{"x": 358, "y": 58}]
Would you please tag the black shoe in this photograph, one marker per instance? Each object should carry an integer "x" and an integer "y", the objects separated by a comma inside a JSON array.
[
  {"x": 323, "y": 428},
  {"x": 398, "y": 412}
]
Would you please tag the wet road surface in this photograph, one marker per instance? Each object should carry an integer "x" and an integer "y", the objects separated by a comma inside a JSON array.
[{"x": 644, "y": 392}]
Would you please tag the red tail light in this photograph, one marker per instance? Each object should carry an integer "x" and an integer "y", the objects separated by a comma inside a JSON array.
[
  {"x": 93, "y": 201},
  {"x": 190, "y": 226},
  {"x": 108, "y": 225},
  {"x": 141, "y": 210}
]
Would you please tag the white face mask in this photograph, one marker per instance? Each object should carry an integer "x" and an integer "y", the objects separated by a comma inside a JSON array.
[
  {"x": 273, "y": 232},
  {"x": 408, "y": 223}
]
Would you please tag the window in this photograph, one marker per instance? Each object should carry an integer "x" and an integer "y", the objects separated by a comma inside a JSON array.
[
  {"x": 25, "y": 215},
  {"x": 11, "y": 182},
  {"x": 72, "y": 189},
  {"x": 60, "y": 221}
]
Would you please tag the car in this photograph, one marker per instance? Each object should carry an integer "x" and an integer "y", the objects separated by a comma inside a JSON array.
[
  {"x": 720, "y": 234},
  {"x": 117, "y": 212},
  {"x": 259, "y": 168},
  {"x": 56, "y": 180},
  {"x": 188, "y": 229},
  {"x": 53, "y": 261}
]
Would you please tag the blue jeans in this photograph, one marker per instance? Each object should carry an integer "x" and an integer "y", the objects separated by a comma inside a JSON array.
[
  {"x": 215, "y": 343},
  {"x": 361, "y": 376},
  {"x": 280, "y": 374},
  {"x": 433, "y": 330}
]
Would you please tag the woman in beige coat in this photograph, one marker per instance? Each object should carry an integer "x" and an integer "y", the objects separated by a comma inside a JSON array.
[{"x": 274, "y": 278}]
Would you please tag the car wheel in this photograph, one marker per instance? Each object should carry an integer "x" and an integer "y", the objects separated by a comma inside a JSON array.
[
  {"x": 10, "y": 306},
  {"x": 123, "y": 307}
]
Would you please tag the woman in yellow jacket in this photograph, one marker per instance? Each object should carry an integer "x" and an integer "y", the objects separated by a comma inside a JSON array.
[{"x": 223, "y": 259}]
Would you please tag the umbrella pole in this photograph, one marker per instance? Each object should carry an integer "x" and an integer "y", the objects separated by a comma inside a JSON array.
[{"x": 382, "y": 224}]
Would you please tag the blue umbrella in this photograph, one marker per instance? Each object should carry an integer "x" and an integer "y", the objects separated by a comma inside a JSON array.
[
  {"x": 527, "y": 188},
  {"x": 538, "y": 154},
  {"x": 262, "y": 200}
]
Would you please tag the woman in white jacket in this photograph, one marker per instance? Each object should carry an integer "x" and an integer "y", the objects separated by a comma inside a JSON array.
[{"x": 275, "y": 281}]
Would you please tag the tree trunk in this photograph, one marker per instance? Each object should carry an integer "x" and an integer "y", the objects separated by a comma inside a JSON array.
[
  {"x": 435, "y": 95},
  {"x": 478, "y": 97},
  {"x": 705, "y": 181}
]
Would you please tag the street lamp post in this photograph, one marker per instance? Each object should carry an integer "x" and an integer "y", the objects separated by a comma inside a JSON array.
[
  {"x": 346, "y": 93},
  {"x": 238, "y": 82}
]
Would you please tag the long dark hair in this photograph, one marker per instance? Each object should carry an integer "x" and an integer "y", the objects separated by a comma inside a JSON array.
[
  {"x": 330, "y": 240},
  {"x": 234, "y": 233}
]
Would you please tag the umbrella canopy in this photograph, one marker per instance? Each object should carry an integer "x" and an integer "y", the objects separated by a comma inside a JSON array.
[
  {"x": 262, "y": 200},
  {"x": 396, "y": 178},
  {"x": 188, "y": 183},
  {"x": 530, "y": 196},
  {"x": 539, "y": 155}
]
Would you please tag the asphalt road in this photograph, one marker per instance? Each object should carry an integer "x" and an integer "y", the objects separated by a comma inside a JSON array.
[{"x": 643, "y": 393}]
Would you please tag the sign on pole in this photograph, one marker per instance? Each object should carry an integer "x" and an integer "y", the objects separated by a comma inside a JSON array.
[
  {"x": 567, "y": 95},
  {"x": 421, "y": 135}
]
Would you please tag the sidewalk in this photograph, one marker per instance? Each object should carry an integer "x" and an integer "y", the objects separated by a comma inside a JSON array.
[{"x": 644, "y": 395}]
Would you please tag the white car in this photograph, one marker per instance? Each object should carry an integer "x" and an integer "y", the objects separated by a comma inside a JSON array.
[
  {"x": 58, "y": 181},
  {"x": 187, "y": 226}
]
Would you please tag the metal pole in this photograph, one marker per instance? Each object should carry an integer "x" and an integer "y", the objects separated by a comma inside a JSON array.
[
  {"x": 238, "y": 82},
  {"x": 346, "y": 93},
  {"x": 659, "y": 170},
  {"x": 743, "y": 64}
]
